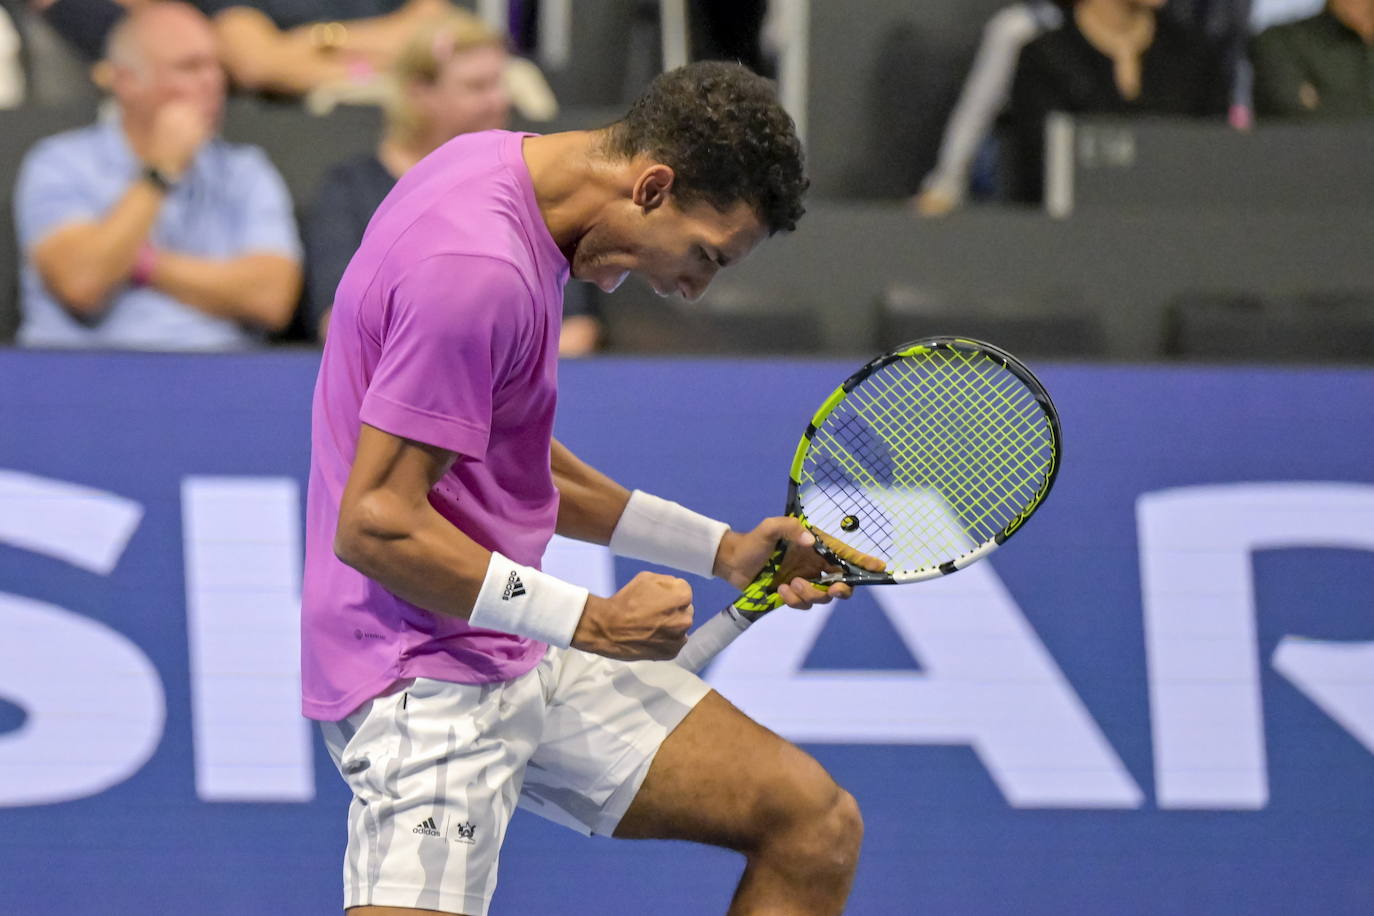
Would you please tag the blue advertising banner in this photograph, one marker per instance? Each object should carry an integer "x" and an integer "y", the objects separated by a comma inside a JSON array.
[{"x": 1158, "y": 698}]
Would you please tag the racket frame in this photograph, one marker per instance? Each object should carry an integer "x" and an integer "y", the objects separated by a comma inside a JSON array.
[
  {"x": 759, "y": 597},
  {"x": 853, "y": 575}
]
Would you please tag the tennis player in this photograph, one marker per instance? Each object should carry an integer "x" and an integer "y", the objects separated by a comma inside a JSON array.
[{"x": 454, "y": 680}]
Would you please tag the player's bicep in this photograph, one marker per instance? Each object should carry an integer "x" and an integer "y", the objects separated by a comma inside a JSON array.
[{"x": 387, "y": 488}]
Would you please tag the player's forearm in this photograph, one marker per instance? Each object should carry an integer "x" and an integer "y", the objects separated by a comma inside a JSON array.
[
  {"x": 414, "y": 553},
  {"x": 83, "y": 264},
  {"x": 590, "y": 503},
  {"x": 418, "y": 556},
  {"x": 593, "y": 507},
  {"x": 257, "y": 289}
]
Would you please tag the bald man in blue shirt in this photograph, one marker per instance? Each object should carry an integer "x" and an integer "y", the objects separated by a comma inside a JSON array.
[{"x": 145, "y": 230}]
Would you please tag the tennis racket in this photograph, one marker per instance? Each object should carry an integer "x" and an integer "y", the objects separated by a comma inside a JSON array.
[{"x": 928, "y": 458}]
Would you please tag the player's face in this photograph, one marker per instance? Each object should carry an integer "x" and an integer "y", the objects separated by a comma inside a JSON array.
[{"x": 676, "y": 249}]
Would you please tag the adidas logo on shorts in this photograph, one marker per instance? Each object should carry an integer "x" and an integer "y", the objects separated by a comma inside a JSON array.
[
  {"x": 514, "y": 587},
  {"x": 426, "y": 827}
]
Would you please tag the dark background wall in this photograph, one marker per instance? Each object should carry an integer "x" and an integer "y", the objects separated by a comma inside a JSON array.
[
  {"x": 884, "y": 75},
  {"x": 1123, "y": 269}
]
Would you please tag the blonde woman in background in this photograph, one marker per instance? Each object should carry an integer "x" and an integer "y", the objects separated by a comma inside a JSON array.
[{"x": 449, "y": 79}]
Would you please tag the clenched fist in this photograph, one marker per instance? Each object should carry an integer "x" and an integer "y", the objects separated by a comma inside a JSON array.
[{"x": 647, "y": 619}]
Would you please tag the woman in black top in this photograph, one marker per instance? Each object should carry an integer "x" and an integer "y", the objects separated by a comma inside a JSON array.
[{"x": 1116, "y": 57}]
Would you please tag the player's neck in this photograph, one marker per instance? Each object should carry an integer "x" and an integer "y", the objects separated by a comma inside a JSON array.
[{"x": 572, "y": 181}]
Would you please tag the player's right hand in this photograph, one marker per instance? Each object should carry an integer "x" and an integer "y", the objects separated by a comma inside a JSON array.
[{"x": 647, "y": 619}]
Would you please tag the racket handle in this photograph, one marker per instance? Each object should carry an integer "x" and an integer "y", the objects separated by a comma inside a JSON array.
[{"x": 710, "y": 638}]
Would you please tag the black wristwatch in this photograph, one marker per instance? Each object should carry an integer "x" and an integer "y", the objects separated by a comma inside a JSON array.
[{"x": 158, "y": 179}]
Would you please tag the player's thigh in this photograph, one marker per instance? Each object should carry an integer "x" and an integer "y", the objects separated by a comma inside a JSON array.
[
  {"x": 605, "y": 721},
  {"x": 723, "y": 779}
]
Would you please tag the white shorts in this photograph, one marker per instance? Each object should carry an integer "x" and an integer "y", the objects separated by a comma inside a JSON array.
[{"x": 437, "y": 769}]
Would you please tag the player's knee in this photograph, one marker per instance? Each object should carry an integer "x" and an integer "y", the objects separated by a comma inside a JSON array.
[
  {"x": 844, "y": 828},
  {"x": 826, "y": 839},
  {"x": 816, "y": 826},
  {"x": 849, "y": 824}
]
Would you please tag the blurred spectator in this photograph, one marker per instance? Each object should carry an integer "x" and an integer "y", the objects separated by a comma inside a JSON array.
[
  {"x": 293, "y": 46},
  {"x": 447, "y": 80},
  {"x": 54, "y": 73},
  {"x": 1116, "y": 57},
  {"x": 11, "y": 68},
  {"x": 1321, "y": 67},
  {"x": 287, "y": 47},
  {"x": 144, "y": 229},
  {"x": 1264, "y": 13},
  {"x": 982, "y": 99},
  {"x": 85, "y": 24},
  {"x": 284, "y": 47},
  {"x": 582, "y": 331},
  {"x": 1226, "y": 26}
]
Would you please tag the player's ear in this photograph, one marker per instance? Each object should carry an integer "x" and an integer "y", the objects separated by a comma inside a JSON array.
[{"x": 653, "y": 186}]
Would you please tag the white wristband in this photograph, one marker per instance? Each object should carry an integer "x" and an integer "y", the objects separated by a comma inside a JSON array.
[
  {"x": 524, "y": 601},
  {"x": 668, "y": 534}
]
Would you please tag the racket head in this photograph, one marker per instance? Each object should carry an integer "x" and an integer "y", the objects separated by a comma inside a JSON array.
[{"x": 929, "y": 457}]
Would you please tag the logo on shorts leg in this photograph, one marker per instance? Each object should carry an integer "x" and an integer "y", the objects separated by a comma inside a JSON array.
[
  {"x": 514, "y": 587},
  {"x": 426, "y": 827},
  {"x": 464, "y": 833}
]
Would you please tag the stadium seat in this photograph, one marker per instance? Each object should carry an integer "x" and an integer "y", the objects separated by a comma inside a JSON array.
[
  {"x": 1029, "y": 331},
  {"x": 301, "y": 146},
  {"x": 670, "y": 328},
  {"x": 1316, "y": 326}
]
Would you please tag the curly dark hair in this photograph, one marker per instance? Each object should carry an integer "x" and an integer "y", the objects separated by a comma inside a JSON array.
[{"x": 720, "y": 128}]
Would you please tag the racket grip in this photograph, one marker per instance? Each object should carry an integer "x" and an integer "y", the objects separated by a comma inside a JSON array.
[{"x": 710, "y": 638}]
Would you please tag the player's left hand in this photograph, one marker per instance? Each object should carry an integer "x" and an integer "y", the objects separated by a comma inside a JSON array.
[{"x": 741, "y": 556}]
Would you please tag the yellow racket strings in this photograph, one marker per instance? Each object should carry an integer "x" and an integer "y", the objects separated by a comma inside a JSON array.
[{"x": 927, "y": 458}]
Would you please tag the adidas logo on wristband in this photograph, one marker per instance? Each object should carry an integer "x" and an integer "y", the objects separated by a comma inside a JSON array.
[
  {"x": 548, "y": 610},
  {"x": 514, "y": 587}
]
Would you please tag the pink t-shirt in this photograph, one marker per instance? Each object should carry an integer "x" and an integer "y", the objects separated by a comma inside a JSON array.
[{"x": 445, "y": 331}]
